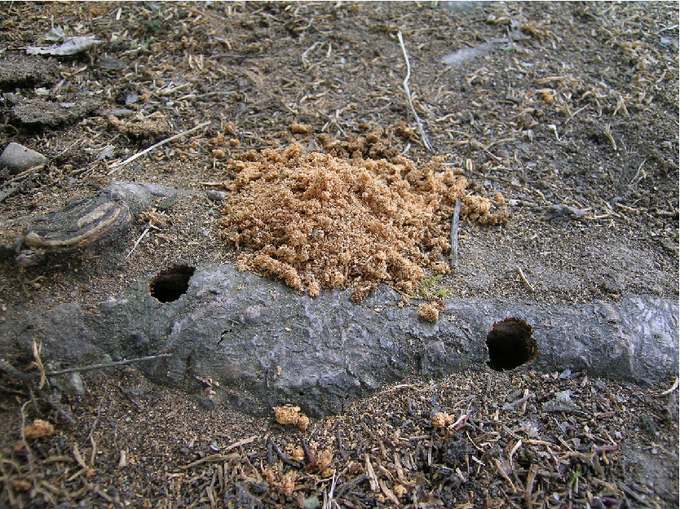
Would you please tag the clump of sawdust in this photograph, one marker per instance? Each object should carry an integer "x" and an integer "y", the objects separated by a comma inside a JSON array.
[
  {"x": 291, "y": 415},
  {"x": 313, "y": 219},
  {"x": 428, "y": 311},
  {"x": 39, "y": 429}
]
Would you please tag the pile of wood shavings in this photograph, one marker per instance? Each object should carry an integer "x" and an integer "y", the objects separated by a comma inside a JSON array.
[{"x": 314, "y": 220}]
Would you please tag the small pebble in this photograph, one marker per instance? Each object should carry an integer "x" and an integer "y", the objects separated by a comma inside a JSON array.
[
  {"x": 215, "y": 195},
  {"x": 18, "y": 158}
]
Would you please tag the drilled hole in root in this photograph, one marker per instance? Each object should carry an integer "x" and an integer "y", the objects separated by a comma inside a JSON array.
[
  {"x": 510, "y": 344},
  {"x": 170, "y": 284}
]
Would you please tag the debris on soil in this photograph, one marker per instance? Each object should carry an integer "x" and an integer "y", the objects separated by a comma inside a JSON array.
[
  {"x": 472, "y": 440},
  {"x": 314, "y": 220}
]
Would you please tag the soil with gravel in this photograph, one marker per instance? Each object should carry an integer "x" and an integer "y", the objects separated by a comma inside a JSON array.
[{"x": 568, "y": 109}]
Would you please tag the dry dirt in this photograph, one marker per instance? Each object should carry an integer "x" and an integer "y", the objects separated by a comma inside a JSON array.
[{"x": 550, "y": 104}]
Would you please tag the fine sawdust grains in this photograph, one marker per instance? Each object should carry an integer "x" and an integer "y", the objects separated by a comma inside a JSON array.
[{"x": 313, "y": 220}]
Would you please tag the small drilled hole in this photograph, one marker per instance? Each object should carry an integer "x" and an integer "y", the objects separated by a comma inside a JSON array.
[
  {"x": 170, "y": 284},
  {"x": 510, "y": 344}
]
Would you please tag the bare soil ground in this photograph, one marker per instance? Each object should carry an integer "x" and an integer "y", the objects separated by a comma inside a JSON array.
[{"x": 550, "y": 104}]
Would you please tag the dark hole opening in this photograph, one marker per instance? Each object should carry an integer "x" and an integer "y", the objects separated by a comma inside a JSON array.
[
  {"x": 170, "y": 284},
  {"x": 510, "y": 344}
]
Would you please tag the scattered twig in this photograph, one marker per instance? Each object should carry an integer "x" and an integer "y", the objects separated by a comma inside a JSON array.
[
  {"x": 208, "y": 94},
  {"x": 475, "y": 144},
  {"x": 512, "y": 453},
  {"x": 606, "y": 448},
  {"x": 504, "y": 474},
  {"x": 454, "y": 235},
  {"x": 29, "y": 381},
  {"x": 146, "y": 230},
  {"x": 371, "y": 474},
  {"x": 351, "y": 484},
  {"x": 631, "y": 493},
  {"x": 526, "y": 282},
  {"x": 309, "y": 455},
  {"x": 608, "y": 134},
  {"x": 25, "y": 173},
  {"x": 38, "y": 361},
  {"x": 672, "y": 389},
  {"x": 531, "y": 477},
  {"x": 245, "y": 441},
  {"x": 341, "y": 447},
  {"x": 424, "y": 137},
  {"x": 118, "y": 166},
  {"x": 461, "y": 421},
  {"x": 329, "y": 502},
  {"x": 674, "y": 27},
  {"x": 107, "y": 365},
  {"x": 211, "y": 459},
  {"x": 97, "y": 491},
  {"x": 388, "y": 493},
  {"x": 283, "y": 457}
]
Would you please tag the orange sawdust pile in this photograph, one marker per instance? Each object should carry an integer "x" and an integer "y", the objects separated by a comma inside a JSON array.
[{"x": 313, "y": 220}]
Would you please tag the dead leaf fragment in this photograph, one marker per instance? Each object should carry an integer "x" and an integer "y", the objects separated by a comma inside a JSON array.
[{"x": 70, "y": 46}]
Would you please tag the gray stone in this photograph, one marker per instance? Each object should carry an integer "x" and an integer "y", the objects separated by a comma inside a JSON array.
[
  {"x": 216, "y": 196},
  {"x": 17, "y": 158},
  {"x": 71, "y": 383}
]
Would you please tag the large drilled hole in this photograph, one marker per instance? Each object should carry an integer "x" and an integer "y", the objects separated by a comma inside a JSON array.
[
  {"x": 510, "y": 344},
  {"x": 170, "y": 284}
]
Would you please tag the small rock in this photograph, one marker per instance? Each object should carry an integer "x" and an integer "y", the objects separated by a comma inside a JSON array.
[
  {"x": 563, "y": 212},
  {"x": 27, "y": 72},
  {"x": 648, "y": 424},
  {"x": 561, "y": 403},
  {"x": 216, "y": 196},
  {"x": 312, "y": 502},
  {"x": 206, "y": 403},
  {"x": 514, "y": 396},
  {"x": 18, "y": 158},
  {"x": 71, "y": 383},
  {"x": 168, "y": 202}
]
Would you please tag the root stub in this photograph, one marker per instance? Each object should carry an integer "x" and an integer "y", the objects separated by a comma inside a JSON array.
[{"x": 510, "y": 344}]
